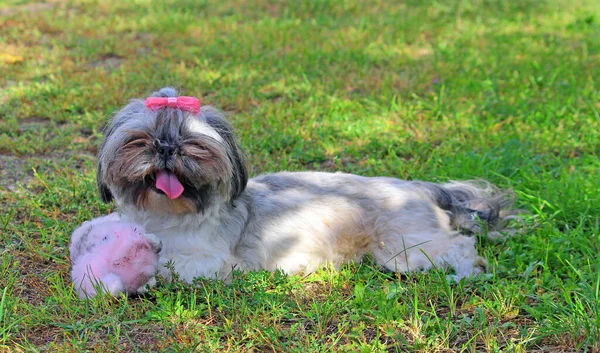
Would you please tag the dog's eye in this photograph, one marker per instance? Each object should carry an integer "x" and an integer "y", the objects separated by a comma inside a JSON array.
[
  {"x": 137, "y": 141},
  {"x": 197, "y": 149}
]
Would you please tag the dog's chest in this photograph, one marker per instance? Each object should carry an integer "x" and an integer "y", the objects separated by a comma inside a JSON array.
[
  {"x": 195, "y": 254},
  {"x": 188, "y": 242},
  {"x": 195, "y": 249}
]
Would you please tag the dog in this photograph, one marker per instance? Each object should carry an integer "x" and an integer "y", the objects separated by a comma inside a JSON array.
[
  {"x": 181, "y": 173},
  {"x": 112, "y": 254}
]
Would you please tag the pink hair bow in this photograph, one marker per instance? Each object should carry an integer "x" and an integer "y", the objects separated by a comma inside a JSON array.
[{"x": 189, "y": 104}]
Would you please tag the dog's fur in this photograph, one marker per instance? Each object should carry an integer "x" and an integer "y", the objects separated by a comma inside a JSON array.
[{"x": 290, "y": 221}]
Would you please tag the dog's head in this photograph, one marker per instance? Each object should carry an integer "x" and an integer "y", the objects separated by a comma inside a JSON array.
[{"x": 170, "y": 161}]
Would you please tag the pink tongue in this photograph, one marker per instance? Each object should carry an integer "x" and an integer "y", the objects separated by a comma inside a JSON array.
[{"x": 169, "y": 184}]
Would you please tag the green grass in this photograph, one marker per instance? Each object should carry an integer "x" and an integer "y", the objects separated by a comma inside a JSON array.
[{"x": 434, "y": 90}]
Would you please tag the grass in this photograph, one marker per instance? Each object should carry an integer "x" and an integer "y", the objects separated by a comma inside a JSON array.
[{"x": 434, "y": 90}]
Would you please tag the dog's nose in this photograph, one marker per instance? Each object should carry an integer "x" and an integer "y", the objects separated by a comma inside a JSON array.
[{"x": 165, "y": 149}]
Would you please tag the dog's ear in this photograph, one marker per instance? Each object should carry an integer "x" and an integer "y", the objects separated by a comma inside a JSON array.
[
  {"x": 239, "y": 164},
  {"x": 103, "y": 189},
  {"x": 237, "y": 159}
]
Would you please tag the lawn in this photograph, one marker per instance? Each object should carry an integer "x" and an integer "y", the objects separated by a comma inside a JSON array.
[{"x": 508, "y": 91}]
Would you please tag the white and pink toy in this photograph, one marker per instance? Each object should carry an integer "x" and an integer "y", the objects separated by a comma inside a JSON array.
[{"x": 113, "y": 254}]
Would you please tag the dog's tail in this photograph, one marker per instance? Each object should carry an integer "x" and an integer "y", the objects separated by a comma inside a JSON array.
[{"x": 473, "y": 206}]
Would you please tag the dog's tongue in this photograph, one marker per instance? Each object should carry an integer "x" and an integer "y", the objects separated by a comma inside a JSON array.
[{"x": 169, "y": 184}]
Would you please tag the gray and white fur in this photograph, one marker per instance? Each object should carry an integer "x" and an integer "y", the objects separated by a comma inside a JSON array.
[{"x": 293, "y": 221}]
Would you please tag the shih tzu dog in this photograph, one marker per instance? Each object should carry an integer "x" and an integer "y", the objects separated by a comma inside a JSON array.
[{"x": 178, "y": 170}]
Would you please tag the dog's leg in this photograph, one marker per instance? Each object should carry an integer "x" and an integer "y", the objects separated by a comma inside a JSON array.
[
  {"x": 298, "y": 262},
  {"x": 422, "y": 251},
  {"x": 418, "y": 236},
  {"x": 462, "y": 256}
]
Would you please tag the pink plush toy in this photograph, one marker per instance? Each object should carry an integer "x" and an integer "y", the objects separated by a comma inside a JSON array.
[{"x": 114, "y": 254}]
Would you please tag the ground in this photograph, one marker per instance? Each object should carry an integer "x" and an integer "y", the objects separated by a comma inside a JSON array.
[{"x": 506, "y": 91}]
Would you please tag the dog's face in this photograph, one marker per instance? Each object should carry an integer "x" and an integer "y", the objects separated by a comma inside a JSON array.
[{"x": 170, "y": 161}]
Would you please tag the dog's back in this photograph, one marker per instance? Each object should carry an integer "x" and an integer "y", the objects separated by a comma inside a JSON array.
[{"x": 304, "y": 219}]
